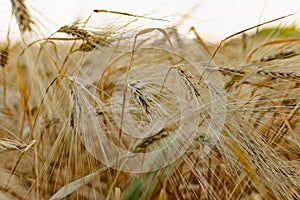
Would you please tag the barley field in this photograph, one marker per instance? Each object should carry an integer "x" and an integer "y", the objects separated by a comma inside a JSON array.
[{"x": 135, "y": 112}]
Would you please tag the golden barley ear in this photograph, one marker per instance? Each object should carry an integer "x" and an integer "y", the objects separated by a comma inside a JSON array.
[
  {"x": 89, "y": 40},
  {"x": 75, "y": 32},
  {"x": 22, "y": 15},
  {"x": 4, "y": 55}
]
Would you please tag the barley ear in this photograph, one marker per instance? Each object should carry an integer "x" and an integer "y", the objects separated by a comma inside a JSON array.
[{"x": 22, "y": 15}]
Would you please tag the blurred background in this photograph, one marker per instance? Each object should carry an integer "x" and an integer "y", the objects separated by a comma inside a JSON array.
[{"x": 213, "y": 19}]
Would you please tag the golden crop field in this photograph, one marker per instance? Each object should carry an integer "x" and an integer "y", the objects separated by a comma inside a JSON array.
[{"x": 132, "y": 112}]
